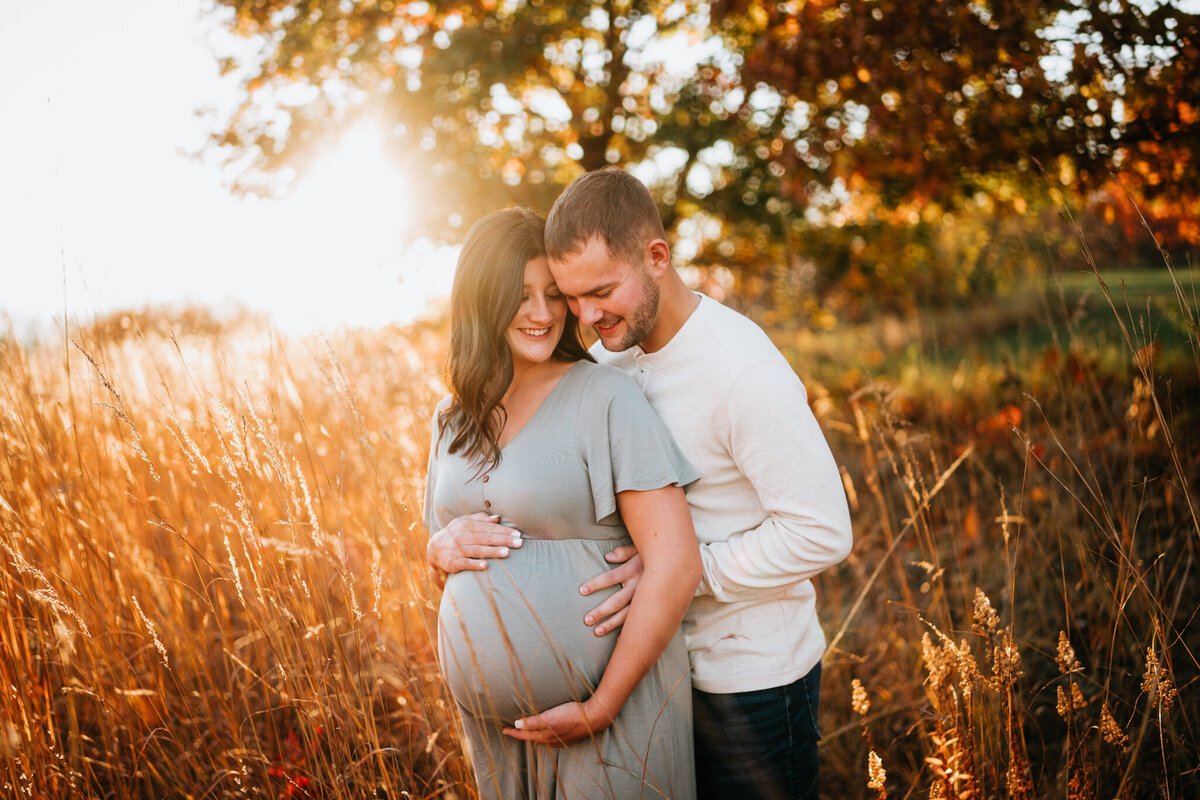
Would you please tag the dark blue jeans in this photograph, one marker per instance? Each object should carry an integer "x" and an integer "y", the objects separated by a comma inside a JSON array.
[{"x": 759, "y": 744}]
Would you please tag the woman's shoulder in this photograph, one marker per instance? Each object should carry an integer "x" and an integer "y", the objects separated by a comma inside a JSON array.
[
  {"x": 604, "y": 379},
  {"x": 601, "y": 389},
  {"x": 438, "y": 418},
  {"x": 441, "y": 409}
]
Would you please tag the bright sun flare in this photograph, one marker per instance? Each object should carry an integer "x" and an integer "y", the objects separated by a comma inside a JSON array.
[{"x": 356, "y": 260}]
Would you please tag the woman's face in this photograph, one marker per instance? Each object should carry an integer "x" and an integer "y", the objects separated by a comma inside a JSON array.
[{"x": 538, "y": 325}]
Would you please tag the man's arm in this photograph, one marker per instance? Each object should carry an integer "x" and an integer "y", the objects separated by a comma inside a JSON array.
[{"x": 777, "y": 444}]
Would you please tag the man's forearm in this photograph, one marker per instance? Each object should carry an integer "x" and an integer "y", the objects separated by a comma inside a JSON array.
[{"x": 779, "y": 553}]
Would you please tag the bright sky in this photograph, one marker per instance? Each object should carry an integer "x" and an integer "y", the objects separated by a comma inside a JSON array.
[{"x": 100, "y": 208}]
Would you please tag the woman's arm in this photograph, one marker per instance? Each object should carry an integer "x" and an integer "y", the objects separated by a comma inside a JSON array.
[{"x": 661, "y": 527}]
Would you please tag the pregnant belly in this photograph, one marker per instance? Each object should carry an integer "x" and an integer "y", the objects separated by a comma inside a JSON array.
[{"x": 511, "y": 637}]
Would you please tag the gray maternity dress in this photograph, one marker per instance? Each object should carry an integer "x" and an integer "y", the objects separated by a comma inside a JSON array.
[{"x": 511, "y": 638}]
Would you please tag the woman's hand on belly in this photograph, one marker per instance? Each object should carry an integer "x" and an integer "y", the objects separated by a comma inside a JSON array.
[
  {"x": 468, "y": 541},
  {"x": 563, "y": 725}
]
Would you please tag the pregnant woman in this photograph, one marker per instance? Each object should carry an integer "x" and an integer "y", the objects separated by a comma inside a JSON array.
[{"x": 567, "y": 460}]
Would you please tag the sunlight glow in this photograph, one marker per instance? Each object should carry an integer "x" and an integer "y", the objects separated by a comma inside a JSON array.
[
  {"x": 107, "y": 218},
  {"x": 347, "y": 243}
]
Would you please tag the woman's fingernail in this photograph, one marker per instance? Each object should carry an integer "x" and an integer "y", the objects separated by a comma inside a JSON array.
[
  {"x": 583, "y": 590},
  {"x": 588, "y": 620},
  {"x": 519, "y": 724},
  {"x": 516, "y": 541},
  {"x": 503, "y": 552}
]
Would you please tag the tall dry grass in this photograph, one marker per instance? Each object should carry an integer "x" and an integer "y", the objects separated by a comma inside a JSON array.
[
  {"x": 212, "y": 570},
  {"x": 1019, "y": 617},
  {"x": 214, "y": 585}
]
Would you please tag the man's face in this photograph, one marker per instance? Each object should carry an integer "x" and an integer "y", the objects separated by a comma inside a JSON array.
[{"x": 616, "y": 299}]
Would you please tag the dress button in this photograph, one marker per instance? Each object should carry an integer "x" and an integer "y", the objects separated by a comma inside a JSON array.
[
  {"x": 485, "y": 478},
  {"x": 487, "y": 503}
]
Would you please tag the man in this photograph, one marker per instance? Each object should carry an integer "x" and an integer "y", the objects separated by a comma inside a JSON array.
[{"x": 769, "y": 510}]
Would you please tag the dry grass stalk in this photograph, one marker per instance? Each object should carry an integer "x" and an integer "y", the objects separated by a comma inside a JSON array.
[{"x": 198, "y": 515}]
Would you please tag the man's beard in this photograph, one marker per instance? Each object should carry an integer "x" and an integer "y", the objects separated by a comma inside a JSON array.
[{"x": 639, "y": 324}]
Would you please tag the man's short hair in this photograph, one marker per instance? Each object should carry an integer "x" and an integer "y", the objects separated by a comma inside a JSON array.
[{"x": 609, "y": 203}]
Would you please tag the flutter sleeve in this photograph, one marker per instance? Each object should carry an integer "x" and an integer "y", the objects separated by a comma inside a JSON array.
[
  {"x": 431, "y": 526},
  {"x": 624, "y": 444}
]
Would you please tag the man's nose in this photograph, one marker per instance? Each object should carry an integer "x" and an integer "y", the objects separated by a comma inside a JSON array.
[{"x": 588, "y": 313}]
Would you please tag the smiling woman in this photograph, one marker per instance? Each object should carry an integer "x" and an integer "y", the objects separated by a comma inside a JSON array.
[
  {"x": 534, "y": 333},
  {"x": 537, "y": 438}
]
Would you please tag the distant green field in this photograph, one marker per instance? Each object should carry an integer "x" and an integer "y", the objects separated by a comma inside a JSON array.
[
  {"x": 1065, "y": 310},
  {"x": 1138, "y": 282}
]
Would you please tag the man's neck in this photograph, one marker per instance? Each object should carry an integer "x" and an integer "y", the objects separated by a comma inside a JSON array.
[{"x": 676, "y": 304}]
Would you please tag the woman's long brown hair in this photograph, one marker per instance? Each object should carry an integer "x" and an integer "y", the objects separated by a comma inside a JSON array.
[{"x": 484, "y": 298}]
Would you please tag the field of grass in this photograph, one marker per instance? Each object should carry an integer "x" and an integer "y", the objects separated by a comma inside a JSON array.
[{"x": 212, "y": 565}]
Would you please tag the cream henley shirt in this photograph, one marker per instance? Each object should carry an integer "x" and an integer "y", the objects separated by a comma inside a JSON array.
[{"x": 769, "y": 509}]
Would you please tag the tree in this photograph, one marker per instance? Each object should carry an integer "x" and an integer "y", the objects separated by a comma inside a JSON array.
[
  {"x": 886, "y": 147},
  {"x": 806, "y": 127},
  {"x": 900, "y": 105},
  {"x": 485, "y": 103}
]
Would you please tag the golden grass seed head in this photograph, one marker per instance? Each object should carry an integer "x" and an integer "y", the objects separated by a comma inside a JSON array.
[
  {"x": 1157, "y": 683},
  {"x": 968, "y": 669},
  {"x": 1065, "y": 659},
  {"x": 1006, "y": 659},
  {"x": 1068, "y": 700},
  {"x": 1016, "y": 779},
  {"x": 984, "y": 618},
  {"x": 48, "y": 596},
  {"x": 936, "y": 663},
  {"x": 158, "y": 645},
  {"x": 1110, "y": 729},
  {"x": 376, "y": 578},
  {"x": 876, "y": 774},
  {"x": 858, "y": 698},
  {"x": 237, "y": 576}
]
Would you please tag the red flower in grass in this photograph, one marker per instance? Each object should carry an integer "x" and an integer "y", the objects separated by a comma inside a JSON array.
[{"x": 289, "y": 766}]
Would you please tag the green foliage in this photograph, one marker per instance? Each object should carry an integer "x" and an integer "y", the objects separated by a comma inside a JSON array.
[
  {"x": 484, "y": 104},
  {"x": 803, "y": 128},
  {"x": 916, "y": 100}
]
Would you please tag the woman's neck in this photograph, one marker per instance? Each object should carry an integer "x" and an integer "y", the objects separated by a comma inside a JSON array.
[
  {"x": 526, "y": 375},
  {"x": 530, "y": 386}
]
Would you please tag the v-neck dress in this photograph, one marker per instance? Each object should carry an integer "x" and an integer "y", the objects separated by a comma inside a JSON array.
[{"x": 511, "y": 638}]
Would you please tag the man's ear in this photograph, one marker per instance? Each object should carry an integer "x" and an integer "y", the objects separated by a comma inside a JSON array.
[{"x": 658, "y": 257}]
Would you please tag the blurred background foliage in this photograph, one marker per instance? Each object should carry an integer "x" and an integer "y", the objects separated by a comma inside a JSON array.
[{"x": 810, "y": 157}]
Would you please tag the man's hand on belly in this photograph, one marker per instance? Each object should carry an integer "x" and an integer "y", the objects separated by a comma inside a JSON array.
[
  {"x": 468, "y": 541},
  {"x": 610, "y": 614}
]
